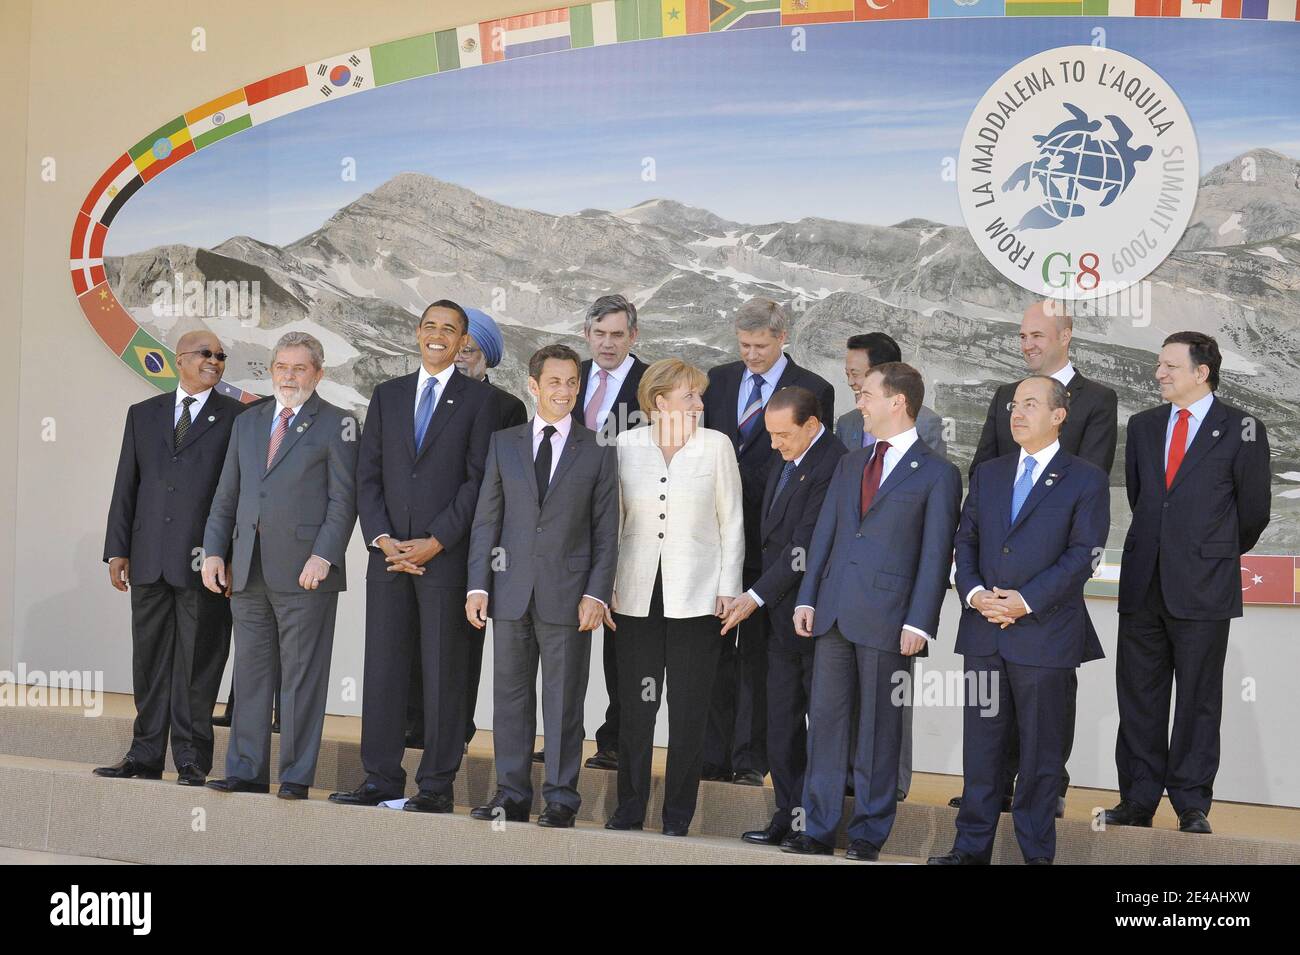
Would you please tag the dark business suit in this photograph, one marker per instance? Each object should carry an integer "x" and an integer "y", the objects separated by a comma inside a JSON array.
[
  {"x": 786, "y": 532},
  {"x": 1179, "y": 586},
  {"x": 1091, "y": 432},
  {"x": 737, "y": 736},
  {"x": 868, "y": 576},
  {"x": 552, "y": 555},
  {"x": 1046, "y": 554},
  {"x": 404, "y": 492},
  {"x": 621, "y": 412},
  {"x": 180, "y": 631}
]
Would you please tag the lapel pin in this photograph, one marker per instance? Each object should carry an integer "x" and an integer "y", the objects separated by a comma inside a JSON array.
[
  {"x": 301, "y": 428},
  {"x": 451, "y": 401},
  {"x": 212, "y": 417},
  {"x": 1049, "y": 482},
  {"x": 916, "y": 464},
  {"x": 1214, "y": 434},
  {"x": 802, "y": 476}
]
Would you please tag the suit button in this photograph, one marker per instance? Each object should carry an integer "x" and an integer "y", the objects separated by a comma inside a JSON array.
[
  {"x": 263, "y": 494},
  {"x": 174, "y": 460},
  {"x": 414, "y": 475},
  {"x": 1165, "y": 504},
  {"x": 661, "y": 536},
  {"x": 167, "y": 520},
  {"x": 661, "y": 480},
  {"x": 857, "y": 535},
  {"x": 662, "y": 497},
  {"x": 539, "y": 530},
  {"x": 661, "y": 517},
  {"x": 1006, "y": 550},
  {"x": 170, "y": 488}
]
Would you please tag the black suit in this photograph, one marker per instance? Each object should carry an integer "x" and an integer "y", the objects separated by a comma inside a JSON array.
[
  {"x": 405, "y": 492},
  {"x": 513, "y": 411},
  {"x": 1091, "y": 432},
  {"x": 621, "y": 412},
  {"x": 786, "y": 531},
  {"x": 180, "y": 631},
  {"x": 1180, "y": 585},
  {"x": 737, "y": 737}
]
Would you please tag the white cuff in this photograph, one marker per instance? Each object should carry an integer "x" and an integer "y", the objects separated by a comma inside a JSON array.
[
  {"x": 597, "y": 599},
  {"x": 805, "y": 607},
  {"x": 473, "y": 592},
  {"x": 919, "y": 633},
  {"x": 375, "y": 542},
  {"x": 754, "y": 597},
  {"x": 973, "y": 592},
  {"x": 319, "y": 557}
]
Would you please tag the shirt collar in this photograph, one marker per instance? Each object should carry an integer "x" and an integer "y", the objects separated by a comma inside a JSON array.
[
  {"x": 617, "y": 375},
  {"x": 1041, "y": 457},
  {"x": 199, "y": 398},
  {"x": 902, "y": 442},
  {"x": 799, "y": 460},
  {"x": 443, "y": 377},
  {"x": 1064, "y": 374},
  {"x": 1199, "y": 408},
  {"x": 772, "y": 376},
  {"x": 562, "y": 426},
  {"x": 279, "y": 407}
]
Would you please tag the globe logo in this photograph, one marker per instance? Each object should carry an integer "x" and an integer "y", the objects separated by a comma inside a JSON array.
[{"x": 1076, "y": 171}]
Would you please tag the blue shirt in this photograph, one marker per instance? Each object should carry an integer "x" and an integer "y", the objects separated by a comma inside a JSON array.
[
  {"x": 1199, "y": 410},
  {"x": 770, "y": 377}
]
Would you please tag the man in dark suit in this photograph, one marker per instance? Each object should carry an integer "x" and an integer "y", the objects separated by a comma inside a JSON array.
[
  {"x": 1033, "y": 524},
  {"x": 284, "y": 510},
  {"x": 172, "y": 452},
  {"x": 606, "y": 404},
  {"x": 1198, "y": 481},
  {"x": 877, "y": 571},
  {"x": 796, "y": 486},
  {"x": 418, "y": 475},
  {"x": 735, "y": 747},
  {"x": 1090, "y": 432},
  {"x": 543, "y": 550}
]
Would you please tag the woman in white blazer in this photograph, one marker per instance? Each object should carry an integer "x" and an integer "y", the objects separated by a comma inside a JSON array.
[{"x": 681, "y": 548}]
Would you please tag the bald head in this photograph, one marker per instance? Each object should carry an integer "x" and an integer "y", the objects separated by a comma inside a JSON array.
[
  {"x": 1045, "y": 332},
  {"x": 198, "y": 372}
]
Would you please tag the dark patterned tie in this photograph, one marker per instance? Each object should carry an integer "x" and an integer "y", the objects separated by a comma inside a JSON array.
[
  {"x": 543, "y": 463},
  {"x": 752, "y": 416},
  {"x": 184, "y": 422}
]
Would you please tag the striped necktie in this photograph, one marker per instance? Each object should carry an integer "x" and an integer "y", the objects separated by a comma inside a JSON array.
[
  {"x": 277, "y": 436},
  {"x": 749, "y": 418}
]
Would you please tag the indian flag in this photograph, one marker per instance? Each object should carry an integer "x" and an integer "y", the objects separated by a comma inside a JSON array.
[
  {"x": 816, "y": 11},
  {"x": 218, "y": 119},
  {"x": 527, "y": 35},
  {"x": 305, "y": 86}
]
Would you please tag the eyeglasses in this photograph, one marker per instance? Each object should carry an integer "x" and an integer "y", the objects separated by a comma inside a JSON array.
[{"x": 206, "y": 353}]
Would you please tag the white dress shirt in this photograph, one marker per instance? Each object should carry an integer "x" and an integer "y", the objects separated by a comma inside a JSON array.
[
  {"x": 195, "y": 408},
  {"x": 279, "y": 408},
  {"x": 1199, "y": 409},
  {"x": 1064, "y": 374},
  {"x": 1041, "y": 460},
  {"x": 899, "y": 445},
  {"x": 557, "y": 440},
  {"x": 612, "y": 388},
  {"x": 770, "y": 379},
  {"x": 443, "y": 377},
  {"x": 797, "y": 461}
]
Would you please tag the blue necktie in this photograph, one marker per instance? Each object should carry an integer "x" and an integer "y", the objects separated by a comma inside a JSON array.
[
  {"x": 781, "y": 482},
  {"x": 1020, "y": 493},
  {"x": 753, "y": 412},
  {"x": 424, "y": 412}
]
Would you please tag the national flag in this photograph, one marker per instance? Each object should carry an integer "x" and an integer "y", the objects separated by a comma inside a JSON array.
[
  {"x": 1267, "y": 580},
  {"x": 603, "y": 23},
  {"x": 511, "y": 37},
  {"x": 674, "y": 17},
  {"x": 164, "y": 147},
  {"x": 967, "y": 8},
  {"x": 1192, "y": 9},
  {"x": 1284, "y": 9},
  {"x": 107, "y": 317},
  {"x": 86, "y": 256},
  {"x": 891, "y": 9},
  {"x": 1044, "y": 8},
  {"x": 215, "y": 120},
  {"x": 114, "y": 187},
  {"x": 413, "y": 56},
  {"x": 305, "y": 86},
  {"x": 150, "y": 358},
  {"x": 795, "y": 12},
  {"x": 743, "y": 14}
]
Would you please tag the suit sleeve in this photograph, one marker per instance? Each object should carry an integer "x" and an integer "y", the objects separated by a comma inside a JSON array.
[
  {"x": 341, "y": 492},
  {"x": 452, "y": 524},
  {"x": 372, "y": 509},
  {"x": 988, "y": 446},
  {"x": 782, "y": 577},
  {"x": 941, "y": 510},
  {"x": 1252, "y": 480},
  {"x": 485, "y": 534},
  {"x": 967, "y": 542},
  {"x": 728, "y": 503},
  {"x": 121, "y": 506},
  {"x": 1132, "y": 474},
  {"x": 823, "y": 536},
  {"x": 1101, "y": 432},
  {"x": 515, "y": 413},
  {"x": 604, "y": 528},
  {"x": 221, "y": 515},
  {"x": 1065, "y": 578}
]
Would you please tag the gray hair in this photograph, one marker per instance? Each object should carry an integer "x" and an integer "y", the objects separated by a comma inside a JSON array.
[
  {"x": 309, "y": 342},
  {"x": 609, "y": 305},
  {"x": 761, "y": 314}
]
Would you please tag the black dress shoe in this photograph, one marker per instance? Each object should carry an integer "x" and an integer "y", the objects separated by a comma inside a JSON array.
[
  {"x": 1193, "y": 820},
  {"x": 539, "y": 756},
  {"x": 805, "y": 845},
  {"x": 292, "y": 791},
  {"x": 1129, "y": 814},
  {"x": 129, "y": 768},
  {"x": 714, "y": 774},
  {"x": 956, "y": 857},
  {"x": 430, "y": 802},
  {"x": 621, "y": 825},
  {"x": 770, "y": 836},
  {"x": 501, "y": 806},
  {"x": 748, "y": 777},
  {"x": 860, "y": 850},
  {"x": 1038, "y": 860},
  {"x": 367, "y": 794},
  {"x": 191, "y": 775},
  {"x": 557, "y": 816},
  {"x": 955, "y": 803},
  {"x": 604, "y": 759},
  {"x": 232, "y": 785},
  {"x": 674, "y": 829},
  {"x": 223, "y": 719}
]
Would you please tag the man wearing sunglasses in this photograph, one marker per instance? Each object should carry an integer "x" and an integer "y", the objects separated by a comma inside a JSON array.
[{"x": 172, "y": 452}]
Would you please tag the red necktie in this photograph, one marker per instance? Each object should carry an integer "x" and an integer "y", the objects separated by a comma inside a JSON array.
[
  {"x": 1177, "y": 447},
  {"x": 871, "y": 476},
  {"x": 277, "y": 436}
]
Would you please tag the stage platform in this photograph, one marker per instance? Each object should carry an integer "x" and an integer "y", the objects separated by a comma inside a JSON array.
[{"x": 51, "y": 803}]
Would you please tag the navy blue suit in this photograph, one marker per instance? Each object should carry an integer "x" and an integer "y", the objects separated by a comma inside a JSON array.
[
  {"x": 406, "y": 492},
  {"x": 1047, "y": 555},
  {"x": 868, "y": 576}
]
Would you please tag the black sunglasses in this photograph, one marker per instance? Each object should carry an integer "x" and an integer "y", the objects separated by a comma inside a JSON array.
[{"x": 206, "y": 353}]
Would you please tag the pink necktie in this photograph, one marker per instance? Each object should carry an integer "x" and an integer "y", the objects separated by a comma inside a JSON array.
[
  {"x": 277, "y": 436},
  {"x": 597, "y": 399}
]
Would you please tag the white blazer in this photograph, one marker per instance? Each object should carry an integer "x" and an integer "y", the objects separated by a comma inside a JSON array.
[{"x": 688, "y": 514}]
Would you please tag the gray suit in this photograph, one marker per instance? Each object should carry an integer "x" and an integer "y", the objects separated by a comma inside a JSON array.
[
  {"x": 536, "y": 563},
  {"x": 304, "y": 504}
]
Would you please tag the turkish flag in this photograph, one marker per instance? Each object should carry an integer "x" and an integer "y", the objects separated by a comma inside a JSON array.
[{"x": 1268, "y": 580}]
